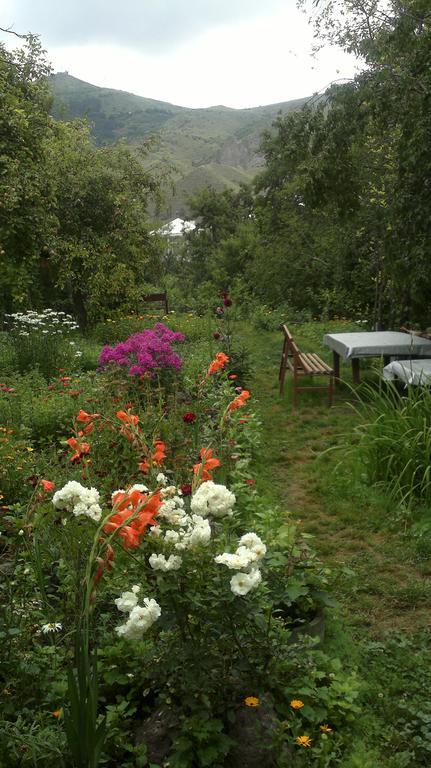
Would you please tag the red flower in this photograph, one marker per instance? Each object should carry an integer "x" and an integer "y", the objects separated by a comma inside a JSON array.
[
  {"x": 208, "y": 463},
  {"x": 140, "y": 509},
  {"x": 80, "y": 449},
  {"x": 186, "y": 489},
  {"x": 127, "y": 418},
  {"x": 227, "y": 302},
  {"x": 189, "y": 417},
  {"x": 216, "y": 335},
  {"x": 159, "y": 454},
  {"x": 239, "y": 401},
  {"x": 83, "y": 417},
  {"x": 47, "y": 485},
  {"x": 218, "y": 363},
  {"x": 250, "y": 481}
]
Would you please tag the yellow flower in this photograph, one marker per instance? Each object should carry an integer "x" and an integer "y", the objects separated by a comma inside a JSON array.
[
  {"x": 30, "y": 449},
  {"x": 326, "y": 728},
  {"x": 251, "y": 701},
  {"x": 303, "y": 741},
  {"x": 296, "y": 704}
]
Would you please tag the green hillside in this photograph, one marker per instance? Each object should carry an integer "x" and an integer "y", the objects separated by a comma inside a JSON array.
[{"x": 216, "y": 146}]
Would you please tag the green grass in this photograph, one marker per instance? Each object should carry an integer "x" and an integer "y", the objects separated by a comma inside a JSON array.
[{"x": 380, "y": 575}]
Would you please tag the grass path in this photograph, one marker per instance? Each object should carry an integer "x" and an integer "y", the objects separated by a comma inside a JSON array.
[
  {"x": 381, "y": 581},
  {"x": 391, "y": 585}
]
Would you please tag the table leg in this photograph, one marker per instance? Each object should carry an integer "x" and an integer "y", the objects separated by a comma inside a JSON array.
[
  {"x": 336, "y": 365},
  {"x": 356, "y": 376}
]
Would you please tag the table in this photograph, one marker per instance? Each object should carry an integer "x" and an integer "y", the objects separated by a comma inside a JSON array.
[
  {"x": 386, "y": 344},
  {"x": 416, "y": 372}
]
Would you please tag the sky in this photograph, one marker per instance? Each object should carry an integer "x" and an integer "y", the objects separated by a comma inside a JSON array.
[{"x": 194, "y": 53}]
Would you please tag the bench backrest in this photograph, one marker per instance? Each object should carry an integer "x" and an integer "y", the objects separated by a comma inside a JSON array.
[
  {"x": 161, "y": 299},
  {"x": 290, "y": 345}
]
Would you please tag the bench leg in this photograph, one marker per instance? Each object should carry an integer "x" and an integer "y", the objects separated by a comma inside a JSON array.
[
  {"x": 295, "y": 391},
  {"x": 330, "y": 389},
  {"x": 336, "y": 365},
  {"x": 356, "y": 375}
]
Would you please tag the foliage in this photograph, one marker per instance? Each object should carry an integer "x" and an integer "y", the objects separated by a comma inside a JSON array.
[
  {"x": 394, "y": 445},
  {"x": 73, "y": 221}
]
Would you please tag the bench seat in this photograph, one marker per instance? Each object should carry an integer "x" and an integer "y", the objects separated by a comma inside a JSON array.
[{"x": 303, "y": 364}]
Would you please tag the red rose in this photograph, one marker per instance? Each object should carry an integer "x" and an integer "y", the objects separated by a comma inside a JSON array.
[
  {"x": 189, "y": 417},
  {"x": 186, "y": 489}
]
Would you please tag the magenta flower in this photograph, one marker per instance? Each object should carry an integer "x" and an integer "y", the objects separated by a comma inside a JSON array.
[{"x": 145, "y": 352}]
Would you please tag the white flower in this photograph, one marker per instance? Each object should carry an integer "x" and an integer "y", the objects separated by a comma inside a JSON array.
[
  {"x": 161, "y": 479},
  {"x": 213, "y": 500},
  {"x": 140, "y": 619},
  {"x": 172, "y": 510},
  {"x": 198, "y": 532},
  {"x": 127, "y": 601},
  {"x": 238, "y": 560},
  {"x": 172, "y": 537},
  {"x": 254, "y": 543},
  {"x": 79, "y": 500},
  {"x": 160, "y": 563},
  {"x": 53, "y": 626},
  {"x": 242, "y": 583},
  {"x": 137, "y": 487},
  {"x": 155, "y": 531}
]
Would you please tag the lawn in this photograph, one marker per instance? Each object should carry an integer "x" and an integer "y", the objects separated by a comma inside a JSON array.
[{"x": 380, "y": 574}]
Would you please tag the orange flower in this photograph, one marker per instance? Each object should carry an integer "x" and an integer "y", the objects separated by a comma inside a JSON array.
[
  {"x": 208, "y": 463},
  {"x": 57, "y": 713},
  {"x": 80, "y": 449},
  {"x": 144, "y": 465},
  {"x": 239, "y": 401},
  {"x": 127, "y": 418},
  {"x": 83, "y": 417},
  {"x": 296, "y": 704},
  {"x": 326, "y": 728},
  {"x": 251, "y": 701},
  {"x": 139, "y": 508},
  {"x": 218, "y": 363},
  {"x": 47, "y": 485},
  {"x": 303, "y": 741},
  {"x": 159, "y": 454}
]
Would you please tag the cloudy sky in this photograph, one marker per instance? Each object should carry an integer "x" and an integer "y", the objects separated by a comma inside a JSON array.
[{"x": 195, "y": 53}]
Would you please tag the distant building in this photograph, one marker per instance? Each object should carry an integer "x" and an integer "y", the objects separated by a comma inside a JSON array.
[{"x": 175, "y": 228}]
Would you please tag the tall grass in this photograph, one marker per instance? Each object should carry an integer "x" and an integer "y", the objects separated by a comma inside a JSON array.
[{"x": 394, "y": 443}]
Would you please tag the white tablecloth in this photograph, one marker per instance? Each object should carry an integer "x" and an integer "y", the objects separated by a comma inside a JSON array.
[
  {"x": 409, "y": 371},
  {"x": 376, "y": 343}
]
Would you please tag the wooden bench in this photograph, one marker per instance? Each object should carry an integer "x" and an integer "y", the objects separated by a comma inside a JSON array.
[
  {"x": 303, "y": 364},
  {"x": 157, "y": 300}
]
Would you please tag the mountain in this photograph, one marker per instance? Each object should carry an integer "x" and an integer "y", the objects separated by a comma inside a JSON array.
[{"x": 216, "y": 146}]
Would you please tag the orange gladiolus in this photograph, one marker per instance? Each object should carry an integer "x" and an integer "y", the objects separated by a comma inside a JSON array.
[
  {"x": 239, "y": 401},
  {"x": 140, "y": 509},
  {"x": 208, "y": 463},
  {"x": 83, "y": 417},
  {"x": 218, "y": 363},
  {"x": 159, "y": 454},
  {"x": 127, "y": 418},
  {"x": 80, "y": 449},
  {"x": 47, "y": 485}
]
